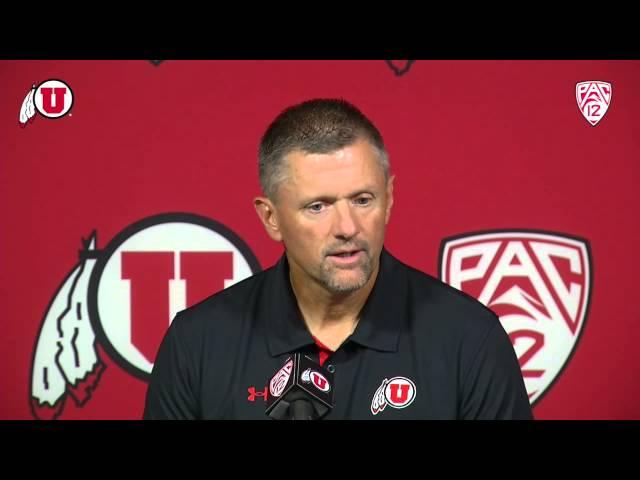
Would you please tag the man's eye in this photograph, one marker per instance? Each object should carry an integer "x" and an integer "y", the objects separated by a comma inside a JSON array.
[
  {"x": 315, "y": 207},
  {"x": 363, "y": 201}
]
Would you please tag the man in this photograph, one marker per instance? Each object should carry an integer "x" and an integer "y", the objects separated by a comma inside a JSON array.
[{"x": 400, "y": 343}]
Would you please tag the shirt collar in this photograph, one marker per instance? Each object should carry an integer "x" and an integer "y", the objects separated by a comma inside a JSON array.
[{"x": 380, "y": 321}]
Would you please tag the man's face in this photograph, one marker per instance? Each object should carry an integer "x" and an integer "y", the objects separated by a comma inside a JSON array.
[{"x": 332, "y": 213}]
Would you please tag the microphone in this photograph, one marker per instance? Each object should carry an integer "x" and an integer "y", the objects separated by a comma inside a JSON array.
[{"x": 300, "y": 390}]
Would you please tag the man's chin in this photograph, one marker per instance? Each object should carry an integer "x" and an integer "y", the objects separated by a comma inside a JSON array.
[{"x": 347, "y": 283}]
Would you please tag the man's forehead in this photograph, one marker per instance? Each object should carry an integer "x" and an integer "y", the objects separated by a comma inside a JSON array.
[
  {"x": 353, "y": 168},
  {"x": 359, "y": 158},
  {"x": 306, "y": 192}
]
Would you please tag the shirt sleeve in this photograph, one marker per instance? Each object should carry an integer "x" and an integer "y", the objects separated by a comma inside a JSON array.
[
  {"x": 493, "y": 388},
  {"x": 171, "y": 393}
]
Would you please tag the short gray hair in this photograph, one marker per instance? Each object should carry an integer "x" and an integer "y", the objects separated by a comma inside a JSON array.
[{"x": 314, "y": 126}]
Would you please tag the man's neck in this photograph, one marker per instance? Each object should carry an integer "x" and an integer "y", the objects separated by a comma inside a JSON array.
[{"x": 330, "y": 317}]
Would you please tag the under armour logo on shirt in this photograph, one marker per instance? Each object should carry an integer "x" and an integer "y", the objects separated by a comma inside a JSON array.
[{"x": 253, "y": 394}]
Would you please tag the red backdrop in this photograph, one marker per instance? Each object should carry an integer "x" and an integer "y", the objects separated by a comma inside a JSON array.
[{"x": 476, "y": 146}]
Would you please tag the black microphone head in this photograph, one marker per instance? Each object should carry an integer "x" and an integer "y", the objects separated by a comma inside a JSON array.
[
  {"x": 301, "y": 390},
  {"x": 302, "y": 409}
]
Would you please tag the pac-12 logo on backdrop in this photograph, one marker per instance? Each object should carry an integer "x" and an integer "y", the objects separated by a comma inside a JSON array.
[
  {"x": 539, "y": 284},
  {"x": 124, "y": 298},
  {"x": 52, "y": 99},
  {"x": 594, "y": 98}
]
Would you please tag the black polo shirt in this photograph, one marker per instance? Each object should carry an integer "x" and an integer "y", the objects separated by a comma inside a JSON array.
[{"x": 447, "y": 354}]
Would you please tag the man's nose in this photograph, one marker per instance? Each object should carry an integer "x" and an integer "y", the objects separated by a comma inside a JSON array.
[{"x": 345, "y": 222}]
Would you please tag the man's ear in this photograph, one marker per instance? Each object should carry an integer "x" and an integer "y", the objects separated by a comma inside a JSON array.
[
  {"x": 389, "y": 198},
  {"x": 267, "y": 214}
]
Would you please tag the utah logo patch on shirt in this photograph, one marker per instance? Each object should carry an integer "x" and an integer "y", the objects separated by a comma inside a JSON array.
[{"x": 399, "y": 392}]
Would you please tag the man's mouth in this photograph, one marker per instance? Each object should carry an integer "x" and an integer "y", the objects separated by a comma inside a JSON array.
[
  {"x": 346, "y": 257},
  {"x": 345, "y": 254}
]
